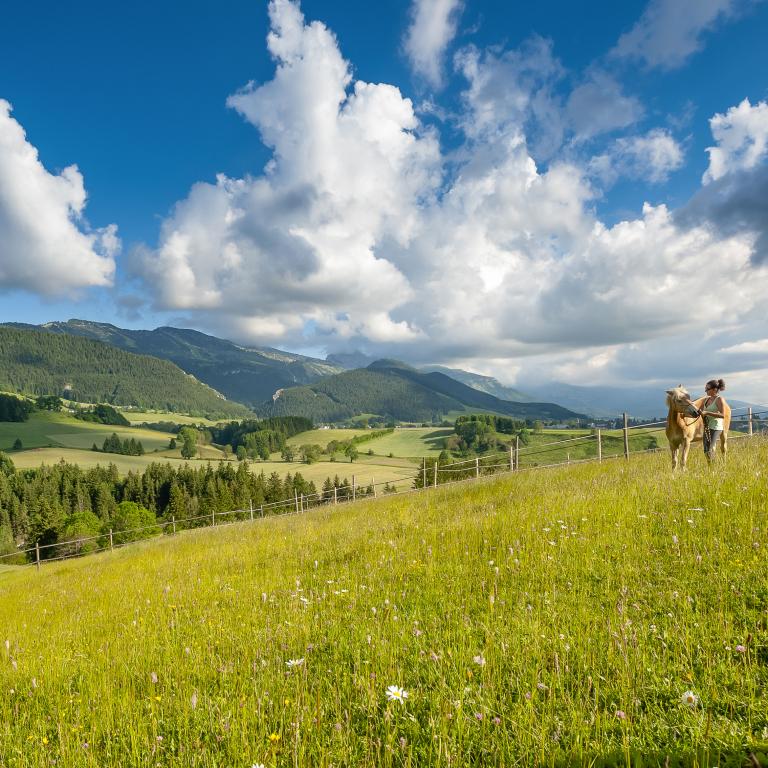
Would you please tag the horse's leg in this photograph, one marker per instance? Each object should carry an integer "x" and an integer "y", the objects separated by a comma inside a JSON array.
[
  {"x": 724, "y": 444},
  {"x": 673, "y": 449},
  {"x": 686, "y": 446}
]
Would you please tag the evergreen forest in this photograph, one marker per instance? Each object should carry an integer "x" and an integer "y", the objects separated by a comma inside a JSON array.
[
  {"x": 64, "y": 504},
  {"x": 40, "y": 363}
]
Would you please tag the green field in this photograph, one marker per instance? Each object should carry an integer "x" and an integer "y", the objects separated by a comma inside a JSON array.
[
  {"x": 366, "y": 469},
  {"x": 411, "y": 441},
  {"x": 556, "y": 446},
  {"x": 403, "y": 442},
  {"x": 60, "y": 430},
  {"x": 613, "y": 612},
  {"x": 322, "y": 437}
]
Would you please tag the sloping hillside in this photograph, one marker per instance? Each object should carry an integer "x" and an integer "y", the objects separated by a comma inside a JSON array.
[
  {"x": 394, "y": 390},
  {"x": 245, "y": 374},
  {"x": 35, "y": 362},
  {"x": 579, "y": 615}
]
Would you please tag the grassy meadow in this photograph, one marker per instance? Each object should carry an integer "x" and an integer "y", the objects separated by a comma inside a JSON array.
[
  {"x": 412, "y": 441},
  {"x": 556, "y": 446},
  {"x": 322, "y": 437},
  {"x": 403, "y": 442},
  {"x": 598, "y": 614},
  {"x": 49, "y": 438},
  {"x": 61, "y": 430}
]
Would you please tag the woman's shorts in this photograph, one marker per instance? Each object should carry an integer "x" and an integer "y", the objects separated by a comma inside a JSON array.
[{"x": 711, "y": 436}]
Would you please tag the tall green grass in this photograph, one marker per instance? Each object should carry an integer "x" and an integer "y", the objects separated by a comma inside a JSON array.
[{"x": 549, "y": 617}]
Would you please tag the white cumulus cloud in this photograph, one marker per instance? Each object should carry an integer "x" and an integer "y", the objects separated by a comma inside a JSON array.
[
  {"x": 360, "y": 233},
  {"x": 433, "y": 26},
  {"x": 298, "y": 244},
  {"x": 742, "y": 139},
  {"x": 651, "y": 157},
  {"x": 45, "y": 245}
]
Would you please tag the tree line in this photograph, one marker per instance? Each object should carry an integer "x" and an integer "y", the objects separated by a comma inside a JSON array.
[
  {"x": 64, "y": 504},
  {"x": 113, "y": 444},
  {"x": 14, "y": 408},
  {"x": 478, "y": 433}
]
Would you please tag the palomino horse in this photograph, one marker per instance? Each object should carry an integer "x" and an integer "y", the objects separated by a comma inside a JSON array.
[{"x": 685, "y": 425}]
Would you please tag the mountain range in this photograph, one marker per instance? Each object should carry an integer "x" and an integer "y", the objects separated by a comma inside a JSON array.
[
  {"x": 394, "y": 390},
  {"x": 252, "y": 375}
]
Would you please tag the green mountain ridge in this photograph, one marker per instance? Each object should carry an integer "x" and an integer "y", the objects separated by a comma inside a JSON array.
[
  {"x": 488, "y": 384},
  {"x": 34, "y": 361},
  {"x": 247, "y": 375},
  {"x": 396, "y": 391}
]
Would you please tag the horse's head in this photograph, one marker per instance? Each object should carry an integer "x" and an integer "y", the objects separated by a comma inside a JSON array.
[{"x": 679, "y": 401}]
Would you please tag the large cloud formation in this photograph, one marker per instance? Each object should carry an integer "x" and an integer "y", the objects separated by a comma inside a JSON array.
[
  {"x": 351, "y": 169},
  {"x": 362, "y": 231},
  {"x": 45, "y": 246}
]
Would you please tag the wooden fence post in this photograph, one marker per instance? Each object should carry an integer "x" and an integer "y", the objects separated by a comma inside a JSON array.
[
  {"x": 517, "y": 451},
  {"x": 213, "y": 518},
  {"x": 261, "y": 511},
  {"x": 296, "y": 499},
  {"x": 435, "y": 474},
  {"x": 37, "y": 555},
  {"x": 424, "y": 471},
  {"x": 335, "y": 495},
  {"x": 626, "y": 436},
  {"x": 599, "y": 446},
  {"x": 477, "y": 466},
  {"x": 173, "y": 520},
  {"x": 511, "y": 458},
  {"x": 301, "y": 508},
  {"x": 250, "y": 504},
  {"x": 111, "y": 542},
  {"x": 749, "y": 421},
  {"x": 354, "y": 489}
]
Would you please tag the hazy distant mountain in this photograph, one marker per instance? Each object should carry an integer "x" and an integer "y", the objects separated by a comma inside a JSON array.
[
  {"x": 481, "y": 383},
  {"x": 350, "y": 360},
  {"x": 394, "y": 390},
  {"x": 604, "y": 402},
  {"x": 246, "y": 374}
]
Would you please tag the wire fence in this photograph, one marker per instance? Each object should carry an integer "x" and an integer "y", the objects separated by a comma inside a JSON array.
[{"x": 598, "y": 445}]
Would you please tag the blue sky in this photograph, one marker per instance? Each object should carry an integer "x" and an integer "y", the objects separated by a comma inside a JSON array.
[{"x": 442, "y": 181}]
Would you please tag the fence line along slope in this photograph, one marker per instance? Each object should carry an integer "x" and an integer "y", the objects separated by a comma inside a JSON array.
[{"x": 607, "y": 610}]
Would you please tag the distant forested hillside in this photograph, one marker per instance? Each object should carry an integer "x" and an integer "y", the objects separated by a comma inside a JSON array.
[
  {"x": 396, "y": 391},
  {"x": 39, "y": 363},
  {"x": 244, "y": 374}
]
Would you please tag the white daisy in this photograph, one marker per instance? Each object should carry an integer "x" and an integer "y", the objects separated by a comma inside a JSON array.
[
  {"x": 291, "y": 663},
  {"x": 690, "y": 699},
  {"x": 396, "y": 693}
]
